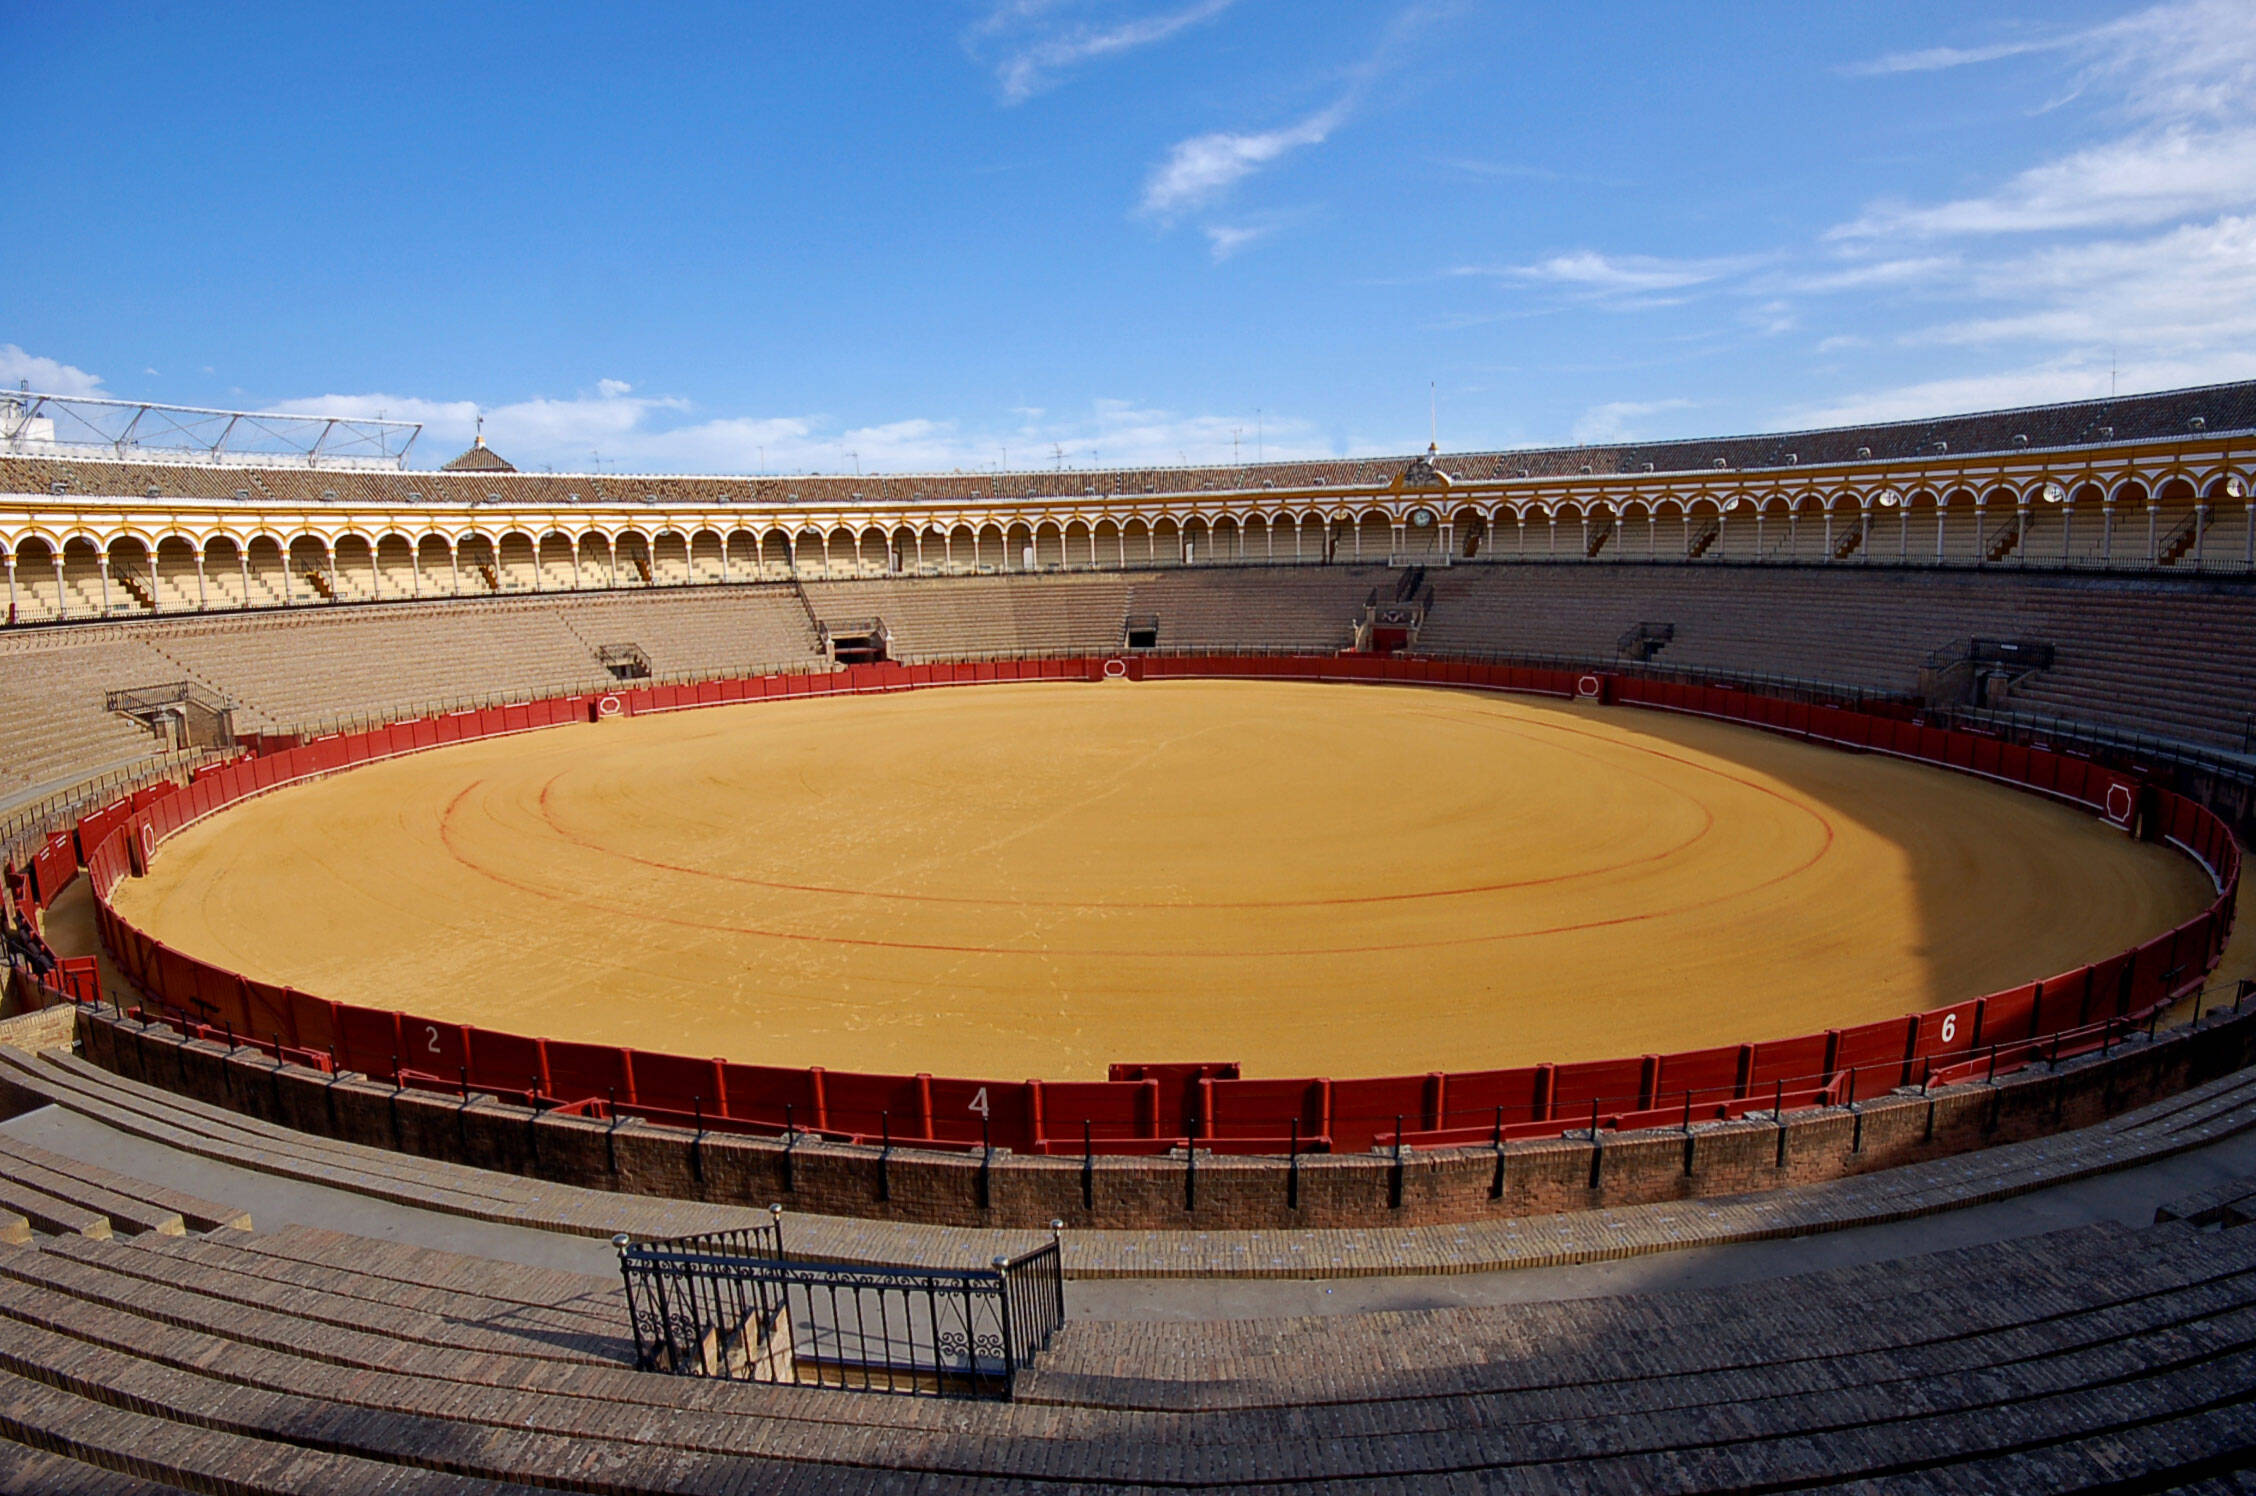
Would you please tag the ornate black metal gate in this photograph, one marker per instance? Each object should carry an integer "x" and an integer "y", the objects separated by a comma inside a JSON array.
[{"x": 732, "y": 1304}]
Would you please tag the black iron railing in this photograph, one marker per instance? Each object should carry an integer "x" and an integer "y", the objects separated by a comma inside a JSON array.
[{"x": 732, "y": 1304}]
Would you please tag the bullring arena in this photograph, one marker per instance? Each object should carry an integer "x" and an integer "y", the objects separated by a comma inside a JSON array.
[
  {"x": 1697, "y": 966},
  {"x": 1042, "y": 879}
]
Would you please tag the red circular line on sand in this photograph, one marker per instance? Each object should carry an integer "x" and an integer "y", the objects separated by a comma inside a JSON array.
[
  {"x": 447, "y": 838},
  {"x": 550, "y": 819}
]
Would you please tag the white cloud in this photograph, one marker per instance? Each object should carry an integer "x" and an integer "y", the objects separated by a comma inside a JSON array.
[
  {"x": 2183, "y": 72},
  {"x": 1935, "y": 59},
  {"x": 2196, "y": 59},
  {"x": 45, "y": 375},
  {"x": 2039, "y": 383},
  {"x": 1618, "y": 282},
  {"x": 1204, "y": 167},
  {"x": 1225, "y": 240},
  {"x": 644, "y": 434},
  {"x": 2128, "y": 262},
  {"x": 1620, "y": 420},
  {"x": 2146, "y": 178},
  {"x": 1034, "y": 61},
  {"x": 1878, "y": 273},
  {"x": 2185, "y": 291},
  {"x": 1771, "y": 318},
  {"x": 2193, "y": 57},
  {"x": 549, "y": 426}
]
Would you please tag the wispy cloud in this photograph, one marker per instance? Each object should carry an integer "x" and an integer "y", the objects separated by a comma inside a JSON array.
[
  {"x": 1225, "y": 239},
  {"x": 2036, "y": 382},
  {"x": 2147, "y": 178},
  {"x": 2190, "y": 289},
  {"x": 1037, "y": 45},
  {"x": 626, "y": 432},
  {"x": 45, "y": 375},
  {"x": 1936, "y": 59},
  {"x": 2126, "y": 263},
  {"x": 1621, "y": 420},
  {"x": 1875, "y": 274},
  {"x": 1200, "y": 170},
  {"x": 1616, "y": 282}
]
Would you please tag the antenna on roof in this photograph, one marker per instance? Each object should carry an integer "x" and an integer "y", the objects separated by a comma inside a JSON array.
[
  {"x": 1433, "y": 420},
  {"x": 480, "y": 439}
]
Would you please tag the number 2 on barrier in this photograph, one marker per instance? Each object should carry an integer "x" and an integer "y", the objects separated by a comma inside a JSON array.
[
  {"x": 979, "y": 1101},
  {"x": 432, "y": 1030}
]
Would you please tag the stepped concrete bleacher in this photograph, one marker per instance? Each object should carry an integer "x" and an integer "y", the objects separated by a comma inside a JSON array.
[
  {"x": 2096, "y": 1354},
  {"x": 2092, "y": 1354},
  {"x": 51, "y": 689},
  {"x": 945, "y": 618},
  {"x": 150, "y": 1340},
  {"x": 2167, "y": 658}
]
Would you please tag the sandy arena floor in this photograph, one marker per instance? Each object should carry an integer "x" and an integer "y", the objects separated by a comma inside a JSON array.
[{"x": 1035, "y": 880}]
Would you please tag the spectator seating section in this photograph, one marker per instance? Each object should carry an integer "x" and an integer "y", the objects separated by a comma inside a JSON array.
[
  {"x": 2168, "y": 658},
  {"x": 302, "y": 1359}
]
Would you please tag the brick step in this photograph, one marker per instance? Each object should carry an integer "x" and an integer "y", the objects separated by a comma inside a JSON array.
[
  {"x": 1940, "y": 1419},
  {"x": 2126, "y": 1351},
  {"x": 49, "y": 1214},
  {"x": 182, "y": 1376},
  {"x": 125, "y": 1214},
  {"x": 1611, "y": 1349},
  {"x": 406, "y": 1264},
  {"x": 92, "y": 1432},
  {"x": 327, "y": 1296},
  {"x": 230, "y": 1137},
  {"x": 25, "y": 1471},
  {"x": 195, "y": 1214},
  {"x": 401, "y": 1178}
]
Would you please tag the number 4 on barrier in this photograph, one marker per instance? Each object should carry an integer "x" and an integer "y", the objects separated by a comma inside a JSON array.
[{"x": 979, "y": 1101}]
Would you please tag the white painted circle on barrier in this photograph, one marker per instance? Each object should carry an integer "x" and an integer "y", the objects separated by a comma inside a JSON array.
[
  {"x": 1587, "y": 686},
  {"x": 2119, "y": 803},
  {"x": 1115, "y": 669},
  {"x": 148, "y": 840},
  {"x": 607, "y": 706}
]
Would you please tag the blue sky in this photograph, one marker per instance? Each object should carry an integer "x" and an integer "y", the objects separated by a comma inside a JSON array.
[{"x": 964, "y": 233}]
